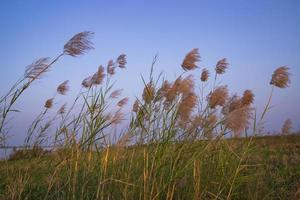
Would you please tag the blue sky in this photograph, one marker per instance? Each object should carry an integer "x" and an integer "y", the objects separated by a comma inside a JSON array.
[{"x": 255, "y": 36}]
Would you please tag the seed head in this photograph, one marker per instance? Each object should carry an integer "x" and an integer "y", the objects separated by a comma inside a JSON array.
[
  {"x": 161, "y": 92},
  {"x": 49, "y": 103},
  {"x": 197, "y": 121},
  {"x": 165, "y": 87},
  {"x": 186, "y": 85},
  {"x": 186, "y": 106},
  {"x": 280, "y": 77},
  {"x": 87, "y": 82},
  {"x": 238, "y": 119},
  {"x": 189, "y": 62},
  {"x": 37, "y": 68},
  {"x": 79, "y": 44},
  {"x": 232, "y": 104},
  {"x": 218, "y": 97},
  {"x": 98, "y": 76},
  {"x": 122, "y": 102},
  {"x": 110, "y": 67},
  {"x": 248, "y": 98},
  {"x": 62, "y": 109},
  {"x": 221, "y": 66},
  {"x": 135, "y": 106},
  {"x": 63, "y": 88},
  {"x": 287, "y": 126},
  {"x": 117, "y": 117},
  {"x": 121, "y": 60},
  {"x": 204, "y": 75},
  {"x": 115, "y": 94}
]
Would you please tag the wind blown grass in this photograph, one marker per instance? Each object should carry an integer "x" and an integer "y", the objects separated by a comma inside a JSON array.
[{"x": 178, "y": 144}]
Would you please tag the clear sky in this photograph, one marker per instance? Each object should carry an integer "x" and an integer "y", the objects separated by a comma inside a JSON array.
[{"x": 255, "y": 36}]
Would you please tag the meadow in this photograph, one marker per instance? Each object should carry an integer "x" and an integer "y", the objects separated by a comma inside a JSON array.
[{"x": 185, "y": 139}]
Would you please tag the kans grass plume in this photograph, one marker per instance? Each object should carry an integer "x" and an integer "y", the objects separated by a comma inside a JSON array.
[
  {"x": 123, "y": 102},
  {"x": 115, "y": 94},
  {"x": 49, "y": 103},
  {"x": 87, "y": 82},
  {"x": 110, "y": 67},
  {"x": 62, "y": 109},
  {"x": 238, "y": 120},
  {"x": 117, "y": 117},
  {"x": 98, "y": 77},
  {"x": 287, "y": 126},
  {"x": 221, "y": 66},
  {"x": 37, "y": 68},
  {"x": 63, "y": 88},
  {"x": 281, "y": 77},
  {"x": 248, "y": 97},
  {"x": 121, "y": 60},
  {"x": 204, "y": 75},
  {"x": 186, "y": 106},
  {"x": 218, "y": 97},
  {"x": 186, "y": 85},
  {"x": 79, "y": 44},
  {"x": 190, "y": 60},
  {"x": 135, "y": 106}
]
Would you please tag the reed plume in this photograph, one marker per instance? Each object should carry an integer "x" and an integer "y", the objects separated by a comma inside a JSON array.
[
  {"x": 123, "y": 102},
  {"x": 287, "y": 126},
  {"x": 280, "y": 77},
  {"x": 248, "y": 97},
  {"x": 135, "y": 106},
  {"x": 204, "y": 75},
  {"x": 62, "y": 109},
  {"x": 110, "y": 67},
  {"x": 49, "y": 103},
  {"x": 189, "y": 62},
  {"x": 121, "y": 60},
  {"x": 37, "y": 68},
  {"x": 233, "y": 103},
  {"x": 117, "y": 117},
  {"x": 79, "y": 44},
  {"x": 197, "y": 121},
  {"x": 238, "y": 120},
  {"x": 165, "y": 87},
  {"x": 208, "y": 124},
  {"x": 186, "y": 85},
  {"x": 221, "y": 66},
  {"x": 186, "y": 106},
  {"x": 87, "y": 82},
  {"x": 171, "y": 92},
  {"x": 98, "y": 77},
  {"x": 115, "y": 94},
  {"x": 63, "y": 88},
  {"x": 218, "y": 97}
]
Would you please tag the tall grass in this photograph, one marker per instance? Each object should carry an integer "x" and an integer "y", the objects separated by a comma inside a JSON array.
[{"x": 176, "y": 144}]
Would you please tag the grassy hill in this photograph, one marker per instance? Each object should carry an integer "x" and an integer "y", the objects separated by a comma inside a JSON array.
[{"x": 254, "y": 168}]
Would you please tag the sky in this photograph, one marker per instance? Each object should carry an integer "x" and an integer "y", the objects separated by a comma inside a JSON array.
[{"x": 255, "y": 36}]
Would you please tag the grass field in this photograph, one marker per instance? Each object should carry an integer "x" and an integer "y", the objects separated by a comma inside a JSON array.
[{"x": 268, "y": 168}]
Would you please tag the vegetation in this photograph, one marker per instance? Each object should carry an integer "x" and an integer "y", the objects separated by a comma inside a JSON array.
[{"x": 179, "y": 144}]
